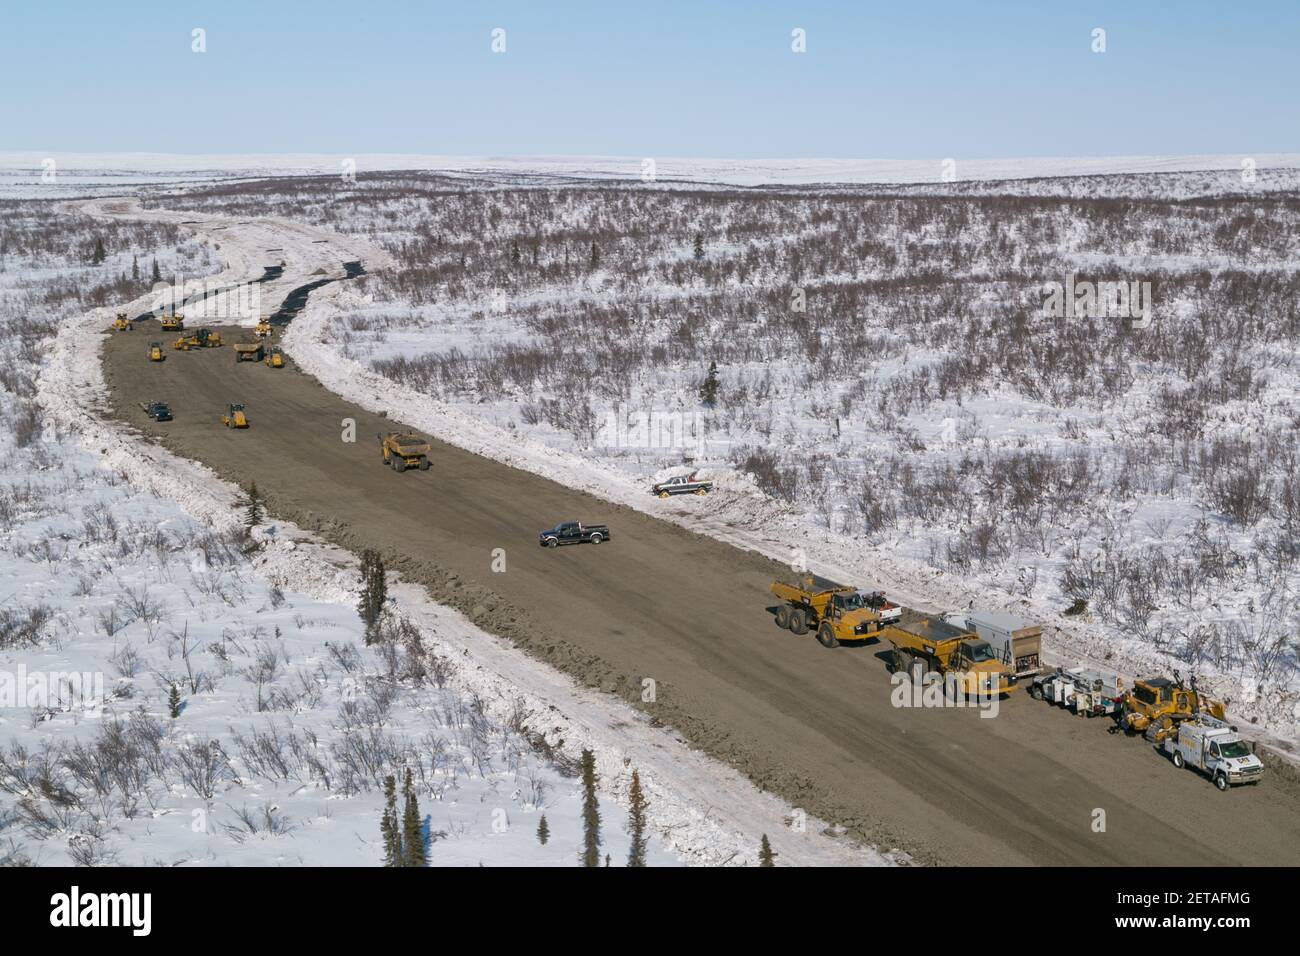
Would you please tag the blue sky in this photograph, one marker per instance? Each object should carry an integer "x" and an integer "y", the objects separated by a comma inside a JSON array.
[{"x": 878, "y": 81}]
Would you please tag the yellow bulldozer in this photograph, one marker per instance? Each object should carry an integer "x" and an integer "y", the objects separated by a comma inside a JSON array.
[
  {"x": 172, "y": 323},
  {"x": 264, "y": 327},
  {"x": 403, "y": 451},
  {"x": 235, "y": 416},
  {"x": 198, "y": 339},
  {"x": 122, "y": 323},
  {"x": 275, "y": 357},
  {"x": 1155, "y": 706},
  {"x": 156, "y": 352}
]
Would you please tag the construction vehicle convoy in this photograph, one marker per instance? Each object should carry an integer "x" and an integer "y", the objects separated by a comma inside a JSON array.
[
  {"x": 682, "y": 485},
  {"x": 248, "y": 351},
  {"x": 962, "y": 657},
  {"x": 1212, "y": 746},
  {"x": 573, "y": 532},
  {"x": 198, "y": 339},
  {"x": 235, "y": 417},
  {"x": 172, "y": 323},
  {"x": 275, "y": 357},
  {"x": 834, "y": 612},
  {"x": 122, "y": 323},
  {"x": 156, "y": 352},
  {"x": 403, "y": 451}
]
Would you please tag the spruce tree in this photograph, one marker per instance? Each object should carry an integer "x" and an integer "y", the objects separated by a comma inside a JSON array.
[
  {"x": 157, "y": 273},
  {"x": 388, "y": 825},
  {"x": 412, "y": 831},
  {"x": 766, "y": 855},
  {"x": 595, "y": 256},
  {"x": 174, "y": 702},
  {"x": 515, "y": 255},
  {"x": 135, "y": 268},
  {"x": 98, "y": 256},
  {"x": 636, "y": 822},
  {"x": 709, "y": 390},
  {"x": 590, "y": 812},
  {"x": 543, "y": 831},
  {"x": 253, "y": 511},
  {"x": 374, "y": 592},
  {"x": 699, "y": 245}
]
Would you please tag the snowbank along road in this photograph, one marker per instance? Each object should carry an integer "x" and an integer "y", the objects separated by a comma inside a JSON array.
[{"x": 692, "y": 614}]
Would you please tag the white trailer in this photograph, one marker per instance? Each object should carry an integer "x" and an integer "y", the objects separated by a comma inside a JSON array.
[
  {"x": 1017, "y": 643},
  {"x": 1089, "y": 693},
  {"x": 1213, "y": 747}
]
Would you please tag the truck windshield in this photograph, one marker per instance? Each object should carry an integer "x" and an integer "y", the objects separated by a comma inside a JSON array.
[
  {"x": 850, "y": 602},
  {"x": 979, "y": 651},
  {"x": 1234, "y": 748}
]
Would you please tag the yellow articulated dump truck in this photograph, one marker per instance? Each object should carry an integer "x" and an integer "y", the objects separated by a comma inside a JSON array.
[
  {"x": 172, "y": 323},
  {"x": 403, "y": 451},
  {"x": 834, "y": 612},
  {"x": 248, "y": 351},
  {"x": 930, "y": 645}
]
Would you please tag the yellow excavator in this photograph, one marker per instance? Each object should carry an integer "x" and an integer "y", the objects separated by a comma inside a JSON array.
[
  {"x": 235, "y": 416},
  {"x": 156, "y": 352},
  {"x": 122, "y": 323}
]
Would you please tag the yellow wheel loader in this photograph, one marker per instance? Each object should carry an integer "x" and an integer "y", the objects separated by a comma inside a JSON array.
[
  {"x": 122, "y": 323},
  {"x": 403, "y": 451},
  {"x": 156, "y": 352},
  {"x": 274, "y": 357},
  {"x": 235, "y": 417},
  {"x": 172, "y": 323}
]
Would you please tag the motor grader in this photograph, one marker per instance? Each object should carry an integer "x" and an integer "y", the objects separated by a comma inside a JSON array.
[
  {"x": 156, "y": 352},
  {"x": 198, "y": 339},
  {"x": 263, "y": 329},
  {"x": 834, "y": 612},
  {"x": 275, "y": 357},
  {"x": 235, "y": 417},
  {"x": 1155, "y": 706},
  {"x": 172, "y": 323},
  {"x": 403, "y": 451},
  {"x": 122, "y": 323},
  {"x": 962, "y": 657}
]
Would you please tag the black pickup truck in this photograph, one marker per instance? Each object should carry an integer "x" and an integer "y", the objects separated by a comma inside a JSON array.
[
  {"x": 158, "y": 411},
  {"x": 573, "y": 532}
]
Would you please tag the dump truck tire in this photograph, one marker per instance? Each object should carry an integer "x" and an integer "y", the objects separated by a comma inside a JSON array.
[
  {"x": 424, "y": 464},
  {"x": 798, "y": 622},
  {"x": 899, "y": 662},
  {"x": 399, "y": 465},
  {"x": 783, "y": 617},
  {"x": 826, "y": 636}
]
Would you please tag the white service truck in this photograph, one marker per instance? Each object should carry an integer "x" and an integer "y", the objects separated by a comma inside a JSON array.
[{"x": 1213, "y": 747}]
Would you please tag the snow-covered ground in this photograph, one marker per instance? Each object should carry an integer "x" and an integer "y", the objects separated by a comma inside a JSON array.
[{"x": 287, "y": 720}]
